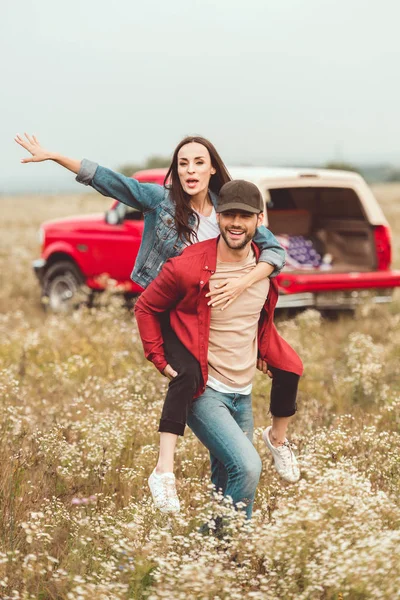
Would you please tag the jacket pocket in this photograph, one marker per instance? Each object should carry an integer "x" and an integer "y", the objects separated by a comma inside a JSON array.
[{"x": 165, "y": 228}]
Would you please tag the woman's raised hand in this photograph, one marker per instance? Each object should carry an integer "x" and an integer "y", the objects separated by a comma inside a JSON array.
[
  {"x": 34, "y": 148},
  {"x": 39, "y": 154}
]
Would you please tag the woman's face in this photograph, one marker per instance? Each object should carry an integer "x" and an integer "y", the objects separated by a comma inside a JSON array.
[{"x": 194, "y": 168}]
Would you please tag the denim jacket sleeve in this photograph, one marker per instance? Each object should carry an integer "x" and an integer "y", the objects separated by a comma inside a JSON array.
[
  {"x": 142, "y": 196},
  {"x": 271, "y": 251}
]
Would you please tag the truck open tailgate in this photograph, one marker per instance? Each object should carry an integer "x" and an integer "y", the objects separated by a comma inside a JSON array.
[
  {"x": 291, "y": 283},
  {"x": 336, "y": 290}
]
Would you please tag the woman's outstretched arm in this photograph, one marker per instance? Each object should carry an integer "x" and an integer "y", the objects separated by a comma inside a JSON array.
[
  {"x": 39, "y": 154},
  {"x": 142, "y": 196}
]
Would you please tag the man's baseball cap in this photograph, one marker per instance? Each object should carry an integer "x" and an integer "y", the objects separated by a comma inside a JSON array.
[{"x": 239, "y": 194}]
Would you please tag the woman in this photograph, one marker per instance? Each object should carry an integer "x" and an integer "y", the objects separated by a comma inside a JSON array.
[{"x": 175, "y": 215}]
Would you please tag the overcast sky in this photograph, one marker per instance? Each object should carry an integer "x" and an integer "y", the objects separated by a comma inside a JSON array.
[{"x": 268, "y": 81}]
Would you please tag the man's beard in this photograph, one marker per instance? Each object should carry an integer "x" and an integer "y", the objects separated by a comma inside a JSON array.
[{"x": 247, "y": 238}]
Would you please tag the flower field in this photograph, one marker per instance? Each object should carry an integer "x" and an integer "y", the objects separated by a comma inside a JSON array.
[{"x": 79, "y": 409}]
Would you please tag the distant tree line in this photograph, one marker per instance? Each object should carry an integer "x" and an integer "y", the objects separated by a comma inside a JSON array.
[
  {"x": 372, "y": 173},
  {"x": 341, "y": 166},
  {"x": 393, "y": 174}
]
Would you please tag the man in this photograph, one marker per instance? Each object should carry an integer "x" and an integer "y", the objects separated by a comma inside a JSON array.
[{"x": 226, "y": 344}]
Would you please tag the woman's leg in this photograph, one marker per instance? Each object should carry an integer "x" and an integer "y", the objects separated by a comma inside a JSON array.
[
  {"x": 165, "y": 462},
  {"x": 224, "y": 424},
  {"x": 183, "y": 387},
  {"x": 179, "y": 396},
  {"x": 279, "y": 427},
  {"x": 283, "y": 407},
  {"x": 283, "y": 402}
]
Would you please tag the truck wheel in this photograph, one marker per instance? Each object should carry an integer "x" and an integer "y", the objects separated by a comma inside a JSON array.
[{"x": 62, "y": 287}]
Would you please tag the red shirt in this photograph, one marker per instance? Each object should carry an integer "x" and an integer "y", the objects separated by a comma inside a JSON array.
[{"x": 181, "y": 287}]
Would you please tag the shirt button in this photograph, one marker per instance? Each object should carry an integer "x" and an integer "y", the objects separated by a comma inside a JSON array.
[
  {"x": 206, "y": 267},
  {"x": 201, "y": 282}
]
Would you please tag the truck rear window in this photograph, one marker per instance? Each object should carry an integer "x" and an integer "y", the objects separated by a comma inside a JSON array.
[{"x": 319, "y": 201}]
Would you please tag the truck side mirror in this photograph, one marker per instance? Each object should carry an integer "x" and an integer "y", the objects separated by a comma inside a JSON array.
[
  {"x": 115, "y": 216},
  {"x": 112, "y": 218}
]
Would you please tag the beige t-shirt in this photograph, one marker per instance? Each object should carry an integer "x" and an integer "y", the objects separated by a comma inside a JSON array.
[{"x": 232, "y": 352}]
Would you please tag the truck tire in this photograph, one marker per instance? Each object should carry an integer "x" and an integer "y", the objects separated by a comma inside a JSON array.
[{"x": 62, "y": 287}]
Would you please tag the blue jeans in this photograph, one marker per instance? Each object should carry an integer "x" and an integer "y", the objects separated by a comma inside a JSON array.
[{"x": 224, "y": 424}]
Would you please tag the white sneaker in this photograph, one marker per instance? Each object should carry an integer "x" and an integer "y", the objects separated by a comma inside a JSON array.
[
  {"x": 284, "y": 459},
  {"x": 164, "y": 494}
]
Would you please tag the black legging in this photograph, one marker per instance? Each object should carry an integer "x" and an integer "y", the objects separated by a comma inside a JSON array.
[{"x": 183, "y": 387}]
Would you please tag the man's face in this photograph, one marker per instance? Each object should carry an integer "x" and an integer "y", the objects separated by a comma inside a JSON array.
[{"x": 238, "y": 227}]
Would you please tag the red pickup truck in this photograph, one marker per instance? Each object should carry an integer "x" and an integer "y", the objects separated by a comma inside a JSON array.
[{"x": 336, "y": 236}]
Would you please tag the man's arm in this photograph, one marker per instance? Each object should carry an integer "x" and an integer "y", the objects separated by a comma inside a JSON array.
[{"x": 161, "y": 295}]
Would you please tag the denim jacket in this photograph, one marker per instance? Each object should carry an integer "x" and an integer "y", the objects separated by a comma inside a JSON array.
[{"x": 160, "y": 240}]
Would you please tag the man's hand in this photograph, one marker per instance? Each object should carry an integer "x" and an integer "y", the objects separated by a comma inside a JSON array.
[
  {"x": 169, "y": 372},
  {"x": 263, "y": 367}
]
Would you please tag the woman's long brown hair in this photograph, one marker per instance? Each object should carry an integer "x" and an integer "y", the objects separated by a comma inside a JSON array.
[{"x": 183, "y": 210}]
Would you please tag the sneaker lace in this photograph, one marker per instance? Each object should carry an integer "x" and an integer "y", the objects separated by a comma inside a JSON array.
[{"x": 286, "y": 454}]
